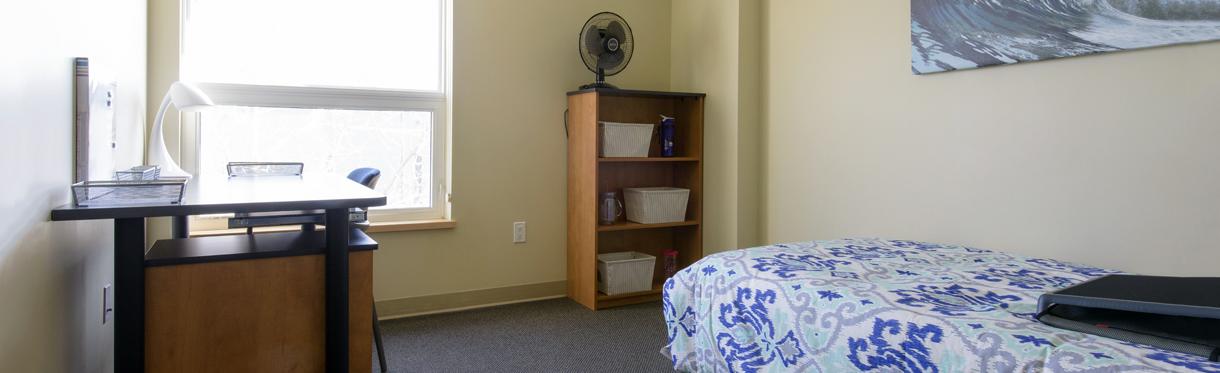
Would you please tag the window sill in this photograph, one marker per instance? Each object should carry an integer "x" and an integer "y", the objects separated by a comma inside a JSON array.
[
  {"x": 411, "y": 225},
  {"x": 375, "y": 227}
]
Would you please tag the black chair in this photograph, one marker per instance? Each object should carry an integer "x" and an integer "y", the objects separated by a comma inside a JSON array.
[{"x": 368, "y": 177}]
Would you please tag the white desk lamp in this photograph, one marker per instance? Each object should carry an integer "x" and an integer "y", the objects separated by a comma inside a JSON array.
[{"x": 186, "y": 98}]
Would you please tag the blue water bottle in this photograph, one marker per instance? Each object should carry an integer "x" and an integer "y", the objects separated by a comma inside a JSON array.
[{"x": 667, "y": 136}]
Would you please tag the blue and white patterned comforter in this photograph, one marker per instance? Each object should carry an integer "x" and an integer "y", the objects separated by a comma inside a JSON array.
[{"x": 886, "y": 306}]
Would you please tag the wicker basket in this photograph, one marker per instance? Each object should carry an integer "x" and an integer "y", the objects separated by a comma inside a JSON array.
[
  {"x": 625, "y": 272},
  {"x": 621, "y": 140},
  {"x": 656, "y": 205}
]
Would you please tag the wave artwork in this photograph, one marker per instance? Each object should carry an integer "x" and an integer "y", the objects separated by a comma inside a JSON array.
[{"x": 963, "y": 34}]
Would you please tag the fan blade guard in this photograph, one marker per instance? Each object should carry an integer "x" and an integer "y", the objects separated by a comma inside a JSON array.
[
  {"x": 610, "y": 60},
  {"x": 593, "y": 40}
]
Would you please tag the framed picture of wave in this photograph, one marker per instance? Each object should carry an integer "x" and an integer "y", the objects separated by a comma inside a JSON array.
[{"x": 964, "y": 34}]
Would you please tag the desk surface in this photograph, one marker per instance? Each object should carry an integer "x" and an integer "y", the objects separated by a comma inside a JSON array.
[{"x": 223, "y": 194}]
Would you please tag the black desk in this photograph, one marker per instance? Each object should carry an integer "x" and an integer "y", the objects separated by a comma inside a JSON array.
[{"x": 219, "y": 195}]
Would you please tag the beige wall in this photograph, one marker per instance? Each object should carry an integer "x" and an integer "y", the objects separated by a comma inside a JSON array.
[
  {"x": 1109, "y": 160},
  {"x": 512, "y": 64},
  {"x": 52, "y": 274},
  {"x": 163, "y": 39},
  {"x": 714, "y": 51},
  {"x": 749, "y": 125}
]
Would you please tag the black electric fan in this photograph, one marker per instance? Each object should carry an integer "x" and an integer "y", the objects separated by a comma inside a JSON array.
[{"x": 605, "y": 46}]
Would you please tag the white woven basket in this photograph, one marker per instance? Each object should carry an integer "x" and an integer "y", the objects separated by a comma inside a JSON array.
[
  {"x": 625, "y": 272},
  {"x": 656, "y": 205},
  {"x": 625, "y": 139}
]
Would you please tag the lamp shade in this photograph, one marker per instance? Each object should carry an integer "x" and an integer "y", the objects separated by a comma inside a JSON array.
[{"x": 186, "y": 98}]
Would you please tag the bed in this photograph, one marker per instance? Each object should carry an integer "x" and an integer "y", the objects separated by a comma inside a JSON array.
[{"x": 870, "y": 304}]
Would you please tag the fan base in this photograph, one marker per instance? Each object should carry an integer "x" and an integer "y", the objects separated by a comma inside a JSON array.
[{"x": 598, "y": 85}]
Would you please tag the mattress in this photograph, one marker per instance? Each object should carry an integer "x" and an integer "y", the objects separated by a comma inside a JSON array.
[{"x": 871, "y": 304}]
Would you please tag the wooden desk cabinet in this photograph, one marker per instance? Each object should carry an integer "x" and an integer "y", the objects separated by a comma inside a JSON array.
[
  {"x": 219, "y": 195},
  {"x": 250, "y": 303}
]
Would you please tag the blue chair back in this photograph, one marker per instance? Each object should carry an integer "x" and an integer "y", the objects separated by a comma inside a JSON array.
[{"x": 366, "y": 176}]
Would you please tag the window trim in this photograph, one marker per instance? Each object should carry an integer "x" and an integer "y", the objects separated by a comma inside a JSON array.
[
  {"x": 342, "y": 98},
  {"x": 320, "y": 97}
]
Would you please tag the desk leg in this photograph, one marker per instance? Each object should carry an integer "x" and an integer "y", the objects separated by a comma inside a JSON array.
[
  {"x": 336, "y": 291},
  {"x": 129, "y": 295},
  {"x": 180, "y": 227}
]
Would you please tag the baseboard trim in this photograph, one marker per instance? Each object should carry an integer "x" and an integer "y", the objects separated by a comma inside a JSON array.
[{"x": 449, "y": 302}]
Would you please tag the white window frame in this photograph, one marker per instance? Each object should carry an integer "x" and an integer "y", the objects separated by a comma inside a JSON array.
[{"x": 434, "y": 102}]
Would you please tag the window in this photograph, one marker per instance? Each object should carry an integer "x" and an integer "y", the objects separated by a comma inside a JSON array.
[{"x": 337, "y": 85}]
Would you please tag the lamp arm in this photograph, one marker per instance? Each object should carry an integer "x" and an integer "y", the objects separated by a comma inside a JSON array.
[{"x": 157, "y": 153}]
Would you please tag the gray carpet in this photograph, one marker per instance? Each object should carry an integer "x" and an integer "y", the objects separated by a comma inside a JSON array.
[{"x": 555, "y": 335}]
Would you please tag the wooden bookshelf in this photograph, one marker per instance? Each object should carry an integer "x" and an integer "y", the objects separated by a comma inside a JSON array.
[{"x": 588, "y": 175}]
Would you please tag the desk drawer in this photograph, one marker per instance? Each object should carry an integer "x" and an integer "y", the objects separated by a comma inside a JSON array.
[{"x": 254, "y": 315}]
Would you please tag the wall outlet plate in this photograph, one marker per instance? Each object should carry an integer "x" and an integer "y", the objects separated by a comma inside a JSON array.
[{"x": 519, "y": 232}]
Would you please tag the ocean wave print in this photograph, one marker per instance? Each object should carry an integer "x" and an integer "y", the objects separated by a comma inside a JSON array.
[{"x": 963, "y": 34}]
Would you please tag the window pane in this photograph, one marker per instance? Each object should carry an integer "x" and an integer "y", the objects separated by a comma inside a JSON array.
[
  {"x": 399, "y": 143},
  {"x": 392, "y": 44}
]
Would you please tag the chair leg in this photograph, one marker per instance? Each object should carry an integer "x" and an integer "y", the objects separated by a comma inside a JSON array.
[{"x": 377, "y": 338}]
